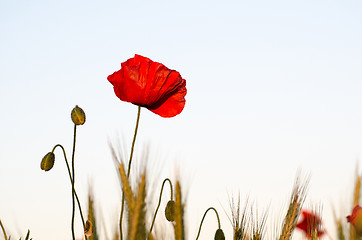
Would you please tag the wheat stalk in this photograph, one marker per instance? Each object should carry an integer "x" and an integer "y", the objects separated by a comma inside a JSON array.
[{"x": 295, "y": 206}]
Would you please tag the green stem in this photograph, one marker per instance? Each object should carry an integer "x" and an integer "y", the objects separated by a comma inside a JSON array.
[
  {"x": 218, "y": 220},
  {"x": 159, "y": 202},
  {"x": 71, "y": 181},
  {"x": 129, "y": 171},
  {"x": 134, "y": 141},
  {"x": 73, "y": 195}
]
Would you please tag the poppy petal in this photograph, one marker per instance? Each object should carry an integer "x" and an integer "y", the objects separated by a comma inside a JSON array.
[
  {"x": 173, "y": 105},
  {"x": 310, "y": 222},
  {"x": 150, "y": 84}
]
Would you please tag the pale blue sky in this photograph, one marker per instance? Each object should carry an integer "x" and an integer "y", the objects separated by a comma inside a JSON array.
[{"x": 273, "y": 87}]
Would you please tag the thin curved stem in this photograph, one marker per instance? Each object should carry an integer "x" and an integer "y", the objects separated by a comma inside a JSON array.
[
  {"x": 71, "y": 180},
  {"x": 129, "y": 171},
  {"x": 218, "y": 220},
  {"x": 4, "y": 232},
  {"x": 159, "y": 202},
  {"x": 134, "y": 141},
  {"x": 73, "y": 195}
]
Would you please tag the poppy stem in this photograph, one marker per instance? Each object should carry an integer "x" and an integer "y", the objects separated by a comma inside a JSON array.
[
  {"x": 218, "y": 220},
  {"x": 159, "y": 202},
  {"x": 134, "y": 140},
  {"x": 129, "y": 171},
  {"x": 71, "y": 181},
  {"x": 4, "y": 232},
  {"x": 73, "y": 191}
]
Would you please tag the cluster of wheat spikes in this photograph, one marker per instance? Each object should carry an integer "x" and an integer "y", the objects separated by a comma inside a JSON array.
[
  {"x": 136, "y": 207},
  {"x": 27, "y": 237},
  {"x": 246, "y": 226}
]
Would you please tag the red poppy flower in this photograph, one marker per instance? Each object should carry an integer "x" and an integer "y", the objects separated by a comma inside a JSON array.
[
  {"x": 309, "y": 223},
  {"x": 356, "y": 219},
  {"x": 151, "y": 85}
]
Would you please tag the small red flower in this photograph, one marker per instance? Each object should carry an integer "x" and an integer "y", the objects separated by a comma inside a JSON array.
[
  {"x": 151, "y": 85},
  {"x": 356, "y": 219},
  {"x": 309, "y": 223}
]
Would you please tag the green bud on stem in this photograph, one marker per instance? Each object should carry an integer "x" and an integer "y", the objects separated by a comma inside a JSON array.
[
  {"x": 78, "y": 116},
  {"x": 47, "y": 162},
  {"x": 219, "y": 235},
  {"x": 170, "y": 211}
]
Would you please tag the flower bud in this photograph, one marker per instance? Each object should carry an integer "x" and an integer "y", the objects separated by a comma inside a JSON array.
[
  {"x": 88, "y": 229},
  {"x": 78, "y": 116},
  {"x": 47, "y": 162},
  {"x": 170, "y": 211},
  {"x": 219, "y": 235}
]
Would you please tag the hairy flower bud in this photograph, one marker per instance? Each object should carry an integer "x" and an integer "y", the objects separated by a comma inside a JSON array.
[
  {"x": 170, "y": 211},
  {"x": 219, "y": 235},
  {"x": 47, "y": 162},
  {"x": 78, "y": 116}
]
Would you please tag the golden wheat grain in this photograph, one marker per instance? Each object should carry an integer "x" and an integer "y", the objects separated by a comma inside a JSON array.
[
  {"x": 239, "y": 220},
  {"x": 179, "y": 214},
  {"x": 258, "y": 227},
  {"x": 127, "y": 191},
  {"x": 340, "y": 233},
  {"x": 136, "y": 219},
  {"x": 295, "y": 206}
]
